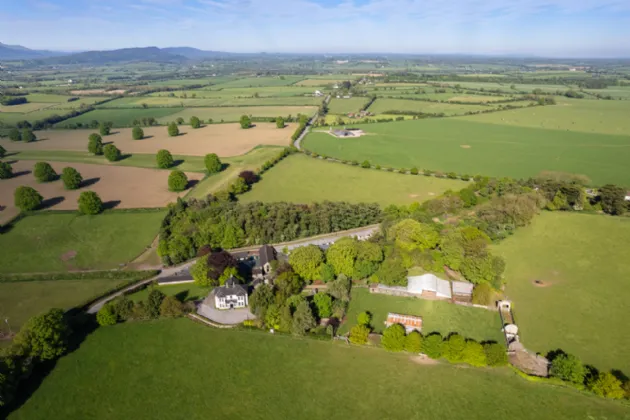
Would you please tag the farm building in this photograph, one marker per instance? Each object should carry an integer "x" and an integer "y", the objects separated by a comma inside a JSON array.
[
  {"x": 428, "y": 286},
  {"x": 347, "y": 132},
  {"x": 462, "y": 291},
  {"x": 410, "y": 322}
]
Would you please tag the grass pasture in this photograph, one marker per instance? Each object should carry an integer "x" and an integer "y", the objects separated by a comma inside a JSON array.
[
  {"x": 226, "y": 100},
  {"x": 382, "y": 106},
  {"x": 582, "y": 304},
  {"x": 261, "y": 81},
  {"x": 121, "y": 117},
  {"x": 66, "y": 241},
  {"x": 344, "y": 106},
  {"x": 183, "y": 291},
  {"x": 277, "y": 380},
  {"x": 467, "y": 146},
  {"x": 319, "y": 82},
  {"x": 234, "y": 113},
  {"x": 12, "y": 118},
  {"x": 439, "y": 316},
  {"x": 302, "y": 179}
]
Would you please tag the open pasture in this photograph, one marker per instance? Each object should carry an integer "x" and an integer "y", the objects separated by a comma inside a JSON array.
[
  {"x": 302, "y": 179},
  {"x": 345, "y": 106},
  {"x": 226, "y": 100},
  {"x": 260, "y": 81},
  {"x": 466, "y": 146},
  {"x": 580, "y": 304},
  {"x": 583, "y": 115},
  {"x": 277, "y": 376},
  {"x": 119, "y": 117},
  {"x": 234, "y": 113},
  {"x": 383, "y": 106},
  {"x": 189, "y": 82},
  {"x": 12, "y": 118},
  {"x": 319, "y": 82},
  {"x": 212, "y": 138},
  {"x": 64, "y": 241},
  {"x": 617, "y": 92},
  {"x": 119, "y": 187}
]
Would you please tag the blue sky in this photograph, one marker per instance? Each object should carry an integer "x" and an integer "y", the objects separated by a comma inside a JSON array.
[{"x": 566, "y": 28}]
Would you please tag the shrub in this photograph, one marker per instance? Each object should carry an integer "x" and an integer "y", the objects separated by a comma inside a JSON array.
[
  {"x": 323, "y": 303},
  {"x": 177, "y": 181},
  {"x": 154, "y": 302},
  {"x": 111, "y": 153},
  {"x": 495, "y": 354},
  {"x": 137, "y": 133},
  {"x": 28, "y": 136},
  {"x": 71, "y": 178},
  {"x": 413, "y": 342},
  {"x": 27, "y": 198},
  {"x": 568, "y": 368},
  {"x": 171, "y": 307},
  {"x": 164, "y": 159},
  {"x": 245, "y": 121},
  {"x": 354, "y": 163},
  {"x": 239, "y": 186},
  {"x": 366, "y": 164},
  {"x": 414, "y": 171},
  {"x": 453, "y": 348},
  {"x": 43, "y": 172},
  {"x": 15, "y": 135},
  {"x": 106, "y": 315},
  {"x": 179, "y": 121},
  {"x": 605, "y": 384},
  {"x": 249, "y": 177},
  {"x": 123, "y": 307},
  {"x": 482, "y": 294},
  {"x": 364, "y": 318},
  {"x": 90, "y": 203},
  {"x": 359, "y": 334},
  {"x": 394, "y": 338},
  {"x": 280, "y": 122},
  {"x": 6, "y": 170},
  {"x": 213, "y": 163},
  {"x": 432, "y": 345},
  {"x": 104, "y": 129},
  {"x": 173, "y": 130},
  {"x": 474, "y": 354},
  {"x": 451, "y": 175},
  {"x": 95, "y": 144},
  {"x": 3, "y": 152},
  {"x": 195, "y": 122}
]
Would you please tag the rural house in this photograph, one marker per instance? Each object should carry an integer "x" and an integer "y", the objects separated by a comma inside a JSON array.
[
  {"x": 230, "y": 296},
  {"x": 410, "y": 322},
  {"x": 266, "y": 255}
]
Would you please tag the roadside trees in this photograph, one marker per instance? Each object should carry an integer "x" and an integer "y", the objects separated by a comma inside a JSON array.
[
  {"x": 27, "y": 198},
  {"x": 90, "y": 203}
]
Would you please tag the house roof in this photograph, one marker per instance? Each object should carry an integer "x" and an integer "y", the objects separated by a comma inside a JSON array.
[
  {"x": 409, "y": 321},
  {"x": 230, "y": 288},
  {"x": 462, "y": 288},
  {"x": 430, "y": 283},
  {"x": 266, "y": 254}
]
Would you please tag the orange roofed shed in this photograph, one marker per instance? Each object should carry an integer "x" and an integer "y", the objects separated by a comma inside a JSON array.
[{"x": 410, "y": 322}]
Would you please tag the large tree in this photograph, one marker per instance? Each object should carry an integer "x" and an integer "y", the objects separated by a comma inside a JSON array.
[
  {"x": 323, "y": 303},
  {"x": 95, "y": 144},
  {"x": 71, "y": 178},
  {"x": 14, "y": 134},
  {"x": 6, "y": 170},
  {"x": 195, "y": 122},
  {"x": 303, "y": 319},
  {"x": 104, "y": 129},
  {"x": 261, "y": 299},
  {"x": 409, "y": 235},
  {"x": 112, "y": 153},
  {"x": 173, "y": 130},
  {"x": 137, "y": 133},
  {"x": 164, "y": 159},
  {"x": 288, "y": 283},
  {"x": 394, "y": 338},
  {"x": 154, "y": 303},
  {"x": 213, "y": 163},
  {"x": 44, "y": 337},
  {"x": 27, "y": 198},
  {"x": 90, "y": 203},
  {"x": 613, "y": 199},
  {"x": 245, "y": 121},
  {"x": 177, "y": 181},
  {"x": 306, "y": 260},
  {"x": 341, "y": 256},
  {"x": 28, "y": 136},
  {"x": 43, "y": 172},
  {"x": 3, "y": 152},
  {"x": 568, "y": 368}
]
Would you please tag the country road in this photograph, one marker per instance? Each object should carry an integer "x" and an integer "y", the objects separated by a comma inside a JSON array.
[
  {"x": 298, "y": 141},
  {"x": 361, "y": 233}
]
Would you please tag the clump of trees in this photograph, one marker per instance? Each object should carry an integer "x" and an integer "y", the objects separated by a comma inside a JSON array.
[
  {"x": 280, "y": 122},
  {"x": 43, "y": 172},
  {"x": 111, "y": 153},
  {"x": 213, "y": 163},
  {"x": 177, "y": 181},
  {"x": 71, "y": 178},
  {"x": 173, "y": 130},
  {"x": 95, "y": 144},
  {"x": 27, "y": 198},
  {"x": 245, "y": 121},
  {"x": 137, "y": 133},
  {"x": 164, "y": 159},
  {"x": 105, "y": 128},
  {"x": 6, "y": 170},
  {"x": 195, "y": 122},
  {"x": 28, "y": 136},
  {"x": 90, "y": 203}
]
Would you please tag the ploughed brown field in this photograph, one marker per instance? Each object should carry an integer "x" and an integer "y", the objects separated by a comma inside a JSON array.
[
  {"x": 118, "y": 187},
  {"x": 222, "y": 139}
]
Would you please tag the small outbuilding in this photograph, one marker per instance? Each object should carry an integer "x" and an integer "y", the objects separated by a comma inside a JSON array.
[{"x": 410, "y": 322}]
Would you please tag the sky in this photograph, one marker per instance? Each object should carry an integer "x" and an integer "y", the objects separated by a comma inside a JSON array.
[{"x": 549, "y": 28}]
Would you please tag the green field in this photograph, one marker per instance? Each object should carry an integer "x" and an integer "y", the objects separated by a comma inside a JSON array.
[
  {"x": 121, "y": 117},
  {"x": 251, "y": 161},
  {"x": 467, "y": 146},
  {"x": 234, "y": 113},
  {"x": 183, "y": 291},
  {"x": 583, "y": 262},
  {"x": 21, "y": 300},
  {"x": 261, "y": 81},
  {"x": 180, "y": 369},
  {"x": 302, "y": 179},
  {"x": 440, "y": 316},
  {"x": 227, "y": 100},
  {"x": 42, "y": 242},
  {"x": 344, "y": 106},
  {"x": 382, "y": 106},
  {"x": 584, "y": 115},
  {"x": 11, "y": 118}
]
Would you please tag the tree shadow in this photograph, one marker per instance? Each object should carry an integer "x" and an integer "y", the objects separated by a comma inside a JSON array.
[
  {"x": 111, "y": 204},
  {"x": 51, "y": 202},
  {"x": 105, "y": 143},
  {"x": 192, "y": 183},
  {"x": 147, "y": 137},
  {"x": 11, "y": 154},
  {"x": 124, "y": 156},
  {"x": 89, "y": 182},
  {"x": 11, "y": 162},
  {"x": 177, "y": 162},
  {"x": 182, "y": 296},
  {"x": 224, "y": 166},
  {"x": 21, "y": 173}
]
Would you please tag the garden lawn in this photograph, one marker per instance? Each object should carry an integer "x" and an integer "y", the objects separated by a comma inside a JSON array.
[
  {"x": 472, "y": 147},
  {"x": 48, "y": 241},
  {"x": 582, "y": 305},
  {"x": 180, "y": 369},
  {"x": 20, "y": 301},
  {"x": 120, "y": 117},
  {"x": 183, "y": 291},
  {"x": 440, "y": 316},
  {"x": 303, "y": 179}
]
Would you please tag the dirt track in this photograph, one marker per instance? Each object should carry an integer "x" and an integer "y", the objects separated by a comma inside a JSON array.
[
  {"x": 118, "y": 187},
  {"x": 222, "y": 139}
]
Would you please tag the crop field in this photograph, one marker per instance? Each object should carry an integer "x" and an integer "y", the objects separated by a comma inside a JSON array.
[
  {"x": 118, "y": 187},
  {"x": 581, "y": 303},
  {"x": 67, "y": 241},
  {"x": 277, "y": 380},
  {"x": 382, "y": 106},
  {"x": 191, "y": 142},
  {"x": 234, "y": 113},
  {"x": 344, "y": 106},
  {"x": 260, "y": 81},
  {"x": 584, "y": 115},
  {"x": 251, "y": 161},
  {"x": 21, "y": 300},
  {"x": 467, "y": 146},
  {"x": 302, "y": 179},
  {"x": 440, "y": 316},
  {"x": 119, "y": 117},
  {"x": 166, "y": 101}
]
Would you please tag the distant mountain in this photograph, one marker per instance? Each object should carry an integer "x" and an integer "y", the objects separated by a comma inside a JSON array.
[
  {"x": 152, "y": 54},
  {"x": 194, "y": 53},
  {"x": 18, "y": 52}
]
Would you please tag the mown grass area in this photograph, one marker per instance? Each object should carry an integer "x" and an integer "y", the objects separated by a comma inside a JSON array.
[
  {"x": 344, "y": 106},
  {"x": 20, "y": 301},
  {"x": 120, "y": 117},
  {"x": 250, "y": 161},
  {"x": 140, "y": 160},
  {"x": 60, "y": 241},
  {"x": 382, "y": 106},
  {"x": 581, "y": 307},
  {"x": 302, "y": 179},
  {"x": 469, "y": 146},
  {"x": 11, "y": 118},
  {"x": 184, "y": 292},
  {"x": 440, "y": 316},
  {"x": 165, "y": 369},
  {"x": 583, "y": 115},
  {"x": 234, "y": 113}
]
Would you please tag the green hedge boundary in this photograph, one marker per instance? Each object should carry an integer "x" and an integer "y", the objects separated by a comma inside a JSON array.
[{"x": 132, "y": 276}]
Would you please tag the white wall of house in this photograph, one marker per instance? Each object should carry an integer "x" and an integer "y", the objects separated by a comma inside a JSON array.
[{"x": 234, "y": 300}]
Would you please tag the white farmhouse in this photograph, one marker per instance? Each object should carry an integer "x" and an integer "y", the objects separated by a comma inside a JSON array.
[{"x": 230, "y": 296}]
